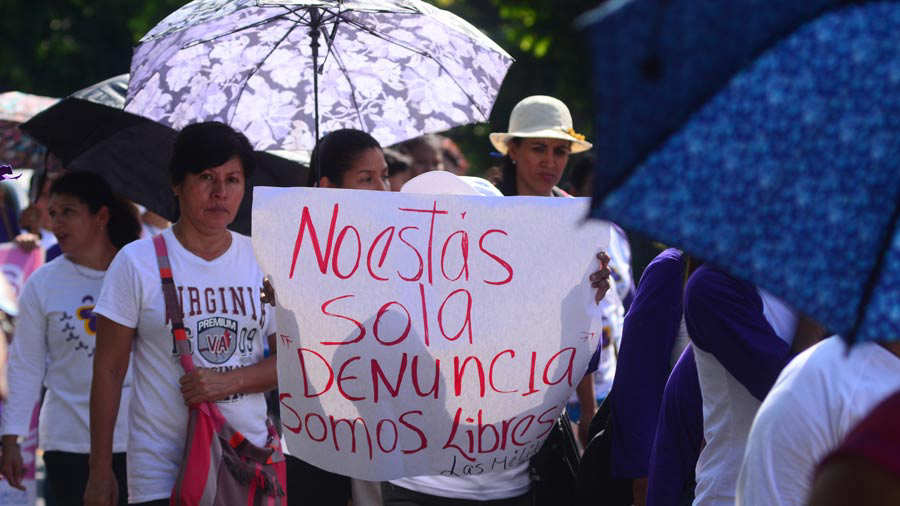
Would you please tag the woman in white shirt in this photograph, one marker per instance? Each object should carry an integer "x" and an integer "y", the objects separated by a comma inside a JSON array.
[
  {"x": 55, "y": 332},
  {"x": 217, "y": 281}
]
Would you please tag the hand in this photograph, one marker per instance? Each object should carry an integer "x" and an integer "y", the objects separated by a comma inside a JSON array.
[
  {"x": 102, "y": 489},
  {"x": 27, "y": 241},
  {"x": 267, "y": 294},
  {"x": 600, "y": 278},
  {"x": 11, "y": 465},
  {"x": 205, "y": 385}
]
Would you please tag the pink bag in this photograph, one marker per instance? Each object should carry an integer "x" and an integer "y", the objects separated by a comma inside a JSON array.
[{"x": 220, "y": 467}]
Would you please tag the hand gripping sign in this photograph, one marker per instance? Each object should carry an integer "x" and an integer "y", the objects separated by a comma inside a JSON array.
[{"x": 426, "y": 334}]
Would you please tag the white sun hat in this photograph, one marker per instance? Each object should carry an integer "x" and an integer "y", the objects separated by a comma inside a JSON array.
[
  {"x": 441, "y": 182},
  {"x": 540, "y": 116}
]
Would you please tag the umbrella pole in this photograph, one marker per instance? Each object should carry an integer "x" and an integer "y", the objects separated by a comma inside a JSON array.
[{"x": 315, "y": 24}]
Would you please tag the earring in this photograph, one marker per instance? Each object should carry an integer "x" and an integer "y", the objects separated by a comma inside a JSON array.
[{"x": 513, "y": 161}]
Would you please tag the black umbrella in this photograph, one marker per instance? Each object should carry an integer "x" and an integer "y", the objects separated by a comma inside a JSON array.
[{"x": 89, "y": 131}]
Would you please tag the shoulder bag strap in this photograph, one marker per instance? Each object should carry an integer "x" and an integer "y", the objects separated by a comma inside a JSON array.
[{"x": 174, "y": 313}]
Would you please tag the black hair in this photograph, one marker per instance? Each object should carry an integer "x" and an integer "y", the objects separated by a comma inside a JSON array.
[
  {"x": 429, "y": 140},
  {"x": 335, "y": 153},
  {"x": 508, "y": 184},
  {"x": 123, "y": 226},
  {"x": 201, "y": 146},
  {"x": 581, "y": 171},
  {"x": 397, "y": 162}
]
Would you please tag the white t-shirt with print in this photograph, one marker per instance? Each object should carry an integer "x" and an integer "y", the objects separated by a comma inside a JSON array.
[
  {"x": 54, "y": 347},
  {"x": 227, "y": 327},
  {"x": 818, "y": 398}
]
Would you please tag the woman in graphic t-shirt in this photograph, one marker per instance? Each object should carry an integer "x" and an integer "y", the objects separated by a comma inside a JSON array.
[
  {"x": 217, "y": 282},
  {"x": 54, "y": 340}
]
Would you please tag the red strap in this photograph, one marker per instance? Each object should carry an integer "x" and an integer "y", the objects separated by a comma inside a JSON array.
[{"x": 174, "y": 312}]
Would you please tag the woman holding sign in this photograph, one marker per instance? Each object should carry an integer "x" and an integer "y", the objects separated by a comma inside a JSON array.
[
  {"x": 536, "y": 150},
  {"x": 217, "y": 281},
  {"x": 55, "y": 335},
  {"x": 510, "y": 486},
  {"x": 353, "y": 160}
]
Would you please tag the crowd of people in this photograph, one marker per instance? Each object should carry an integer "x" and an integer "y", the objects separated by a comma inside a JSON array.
[{"x": 704, "y": 389}]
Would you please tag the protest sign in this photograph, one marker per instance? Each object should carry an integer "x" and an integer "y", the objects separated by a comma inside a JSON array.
[{"x": 426, "y": 334}]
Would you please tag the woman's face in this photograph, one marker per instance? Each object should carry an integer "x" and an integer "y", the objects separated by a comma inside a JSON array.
[
  {"x": 210, "y": 200},
  {"x": 425, "y": 158},
  {"x": 368, "y": 172},
  {"x": 540, "y": 163},
  {"x": 74, "y": 225},
  {"x": 399, "y": 179}
]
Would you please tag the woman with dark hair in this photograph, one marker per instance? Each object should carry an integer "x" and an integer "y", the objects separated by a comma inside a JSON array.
[
  {"x": 55, "y": 334},
  {"x": 218, "y": 283},
  {"x": 425, "y": 151},
  {"x": 537, "y": 147},
  {"x": 399, "y": 168},
  {"x": 349, "y": 158}
]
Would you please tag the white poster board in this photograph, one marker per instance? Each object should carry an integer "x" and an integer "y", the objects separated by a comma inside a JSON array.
[{"x": 426, "y": 334}]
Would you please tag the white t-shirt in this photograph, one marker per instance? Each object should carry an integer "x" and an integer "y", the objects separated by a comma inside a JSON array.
[
  {"x": 515, "y": 481},
  {"x": 503, "y": 484},
  {"x": 818, "y": 398},
  {"x": 728, "y": 410},
  {"x": 226, "y": 325},
  {"x": 54, "y": 346}
]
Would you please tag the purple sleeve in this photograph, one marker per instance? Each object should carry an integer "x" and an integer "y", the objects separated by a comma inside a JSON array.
[
  {"x": 648, "y": 335},
  {"x": 679, "y": 435},
  {"x": 725, "y": 318}
]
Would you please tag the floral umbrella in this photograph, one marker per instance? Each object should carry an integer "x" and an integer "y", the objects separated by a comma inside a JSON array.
[
  {"x": 16, "y": 148},
  {"x": 394, "y": 68}
]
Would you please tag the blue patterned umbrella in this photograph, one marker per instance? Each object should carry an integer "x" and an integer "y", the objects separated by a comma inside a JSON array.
[
  {"x": 789, "y": 175},
  {"x": 394, "y": 68}
]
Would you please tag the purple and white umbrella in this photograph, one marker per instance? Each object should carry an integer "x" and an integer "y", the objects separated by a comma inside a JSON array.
[{"x": 394, "y": 68}]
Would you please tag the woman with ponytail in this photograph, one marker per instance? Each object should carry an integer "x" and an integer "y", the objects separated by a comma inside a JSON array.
[{"x": 53, "y": 345}]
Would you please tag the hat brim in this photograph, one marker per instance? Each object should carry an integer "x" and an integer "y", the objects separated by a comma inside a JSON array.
[{"x": 499, "y": 139}]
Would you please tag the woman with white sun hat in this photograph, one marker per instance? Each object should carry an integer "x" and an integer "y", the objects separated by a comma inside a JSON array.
[{"x": 537, "y": 146}]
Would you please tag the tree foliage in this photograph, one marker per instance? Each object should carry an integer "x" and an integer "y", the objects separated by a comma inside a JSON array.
[{"x": 54, "y": 47}]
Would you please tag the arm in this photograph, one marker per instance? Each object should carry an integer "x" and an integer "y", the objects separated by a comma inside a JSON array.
[
  {"x": 27, "y": 361},
  {"x": 588, "y": 402},
  {"x": 649, "y": 332},
  {"x": 110, "y": 365},
  {"x": 725, "y": 318},
  {"x": 203, "y": 384}
]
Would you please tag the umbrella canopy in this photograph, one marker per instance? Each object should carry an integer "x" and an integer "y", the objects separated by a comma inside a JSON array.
[
  {"x": 89, "y": 131},
  {"x": 15, "y": 148},
  {"x": 657, "y": 62},
  {"x": 790, "y": 175},
  {"x": 394, "y": 68}
]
